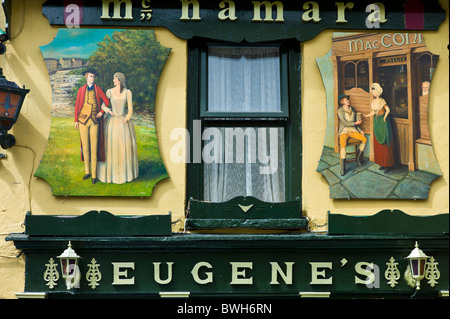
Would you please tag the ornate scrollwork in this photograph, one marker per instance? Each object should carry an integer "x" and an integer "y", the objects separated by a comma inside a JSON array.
[
  {"x": 93, "y": 276},
  {"x": 51, "y": 274},
  {"x": 392, "y": 274},
  {"x": 432, "y": 273}
]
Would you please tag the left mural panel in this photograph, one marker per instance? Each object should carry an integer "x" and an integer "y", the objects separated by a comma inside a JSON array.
[{"x": 103, "y": 140}]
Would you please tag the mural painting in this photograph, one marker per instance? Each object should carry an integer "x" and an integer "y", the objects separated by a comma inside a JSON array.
[
  {"x": 103, "y": 140},
  {"x": 377, "y": 142}
]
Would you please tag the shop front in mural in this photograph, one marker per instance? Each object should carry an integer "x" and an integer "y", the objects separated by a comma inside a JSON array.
[{"x": 379, "y": 145}]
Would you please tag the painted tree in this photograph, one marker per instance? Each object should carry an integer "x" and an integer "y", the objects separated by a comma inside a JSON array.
[{"x": 138, "y": 55}]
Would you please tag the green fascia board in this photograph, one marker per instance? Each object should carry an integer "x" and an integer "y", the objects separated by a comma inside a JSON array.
[
  {"x": 186, "y": 249},
  {"x": 98, "y": 223},
  {"x": 388, "y": 222},
  {"x": 232, "y": 242}
]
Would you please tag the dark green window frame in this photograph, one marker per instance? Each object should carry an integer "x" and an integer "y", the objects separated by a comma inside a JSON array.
[{"x": 284, "y": 215}]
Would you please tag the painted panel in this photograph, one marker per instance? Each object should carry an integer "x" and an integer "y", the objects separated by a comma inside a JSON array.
[
  {"x": 119, "y": 122},
  {"x": 385, "y": 78}
]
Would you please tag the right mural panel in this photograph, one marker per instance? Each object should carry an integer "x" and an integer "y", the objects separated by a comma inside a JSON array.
[{"x": 377, "y": 143}]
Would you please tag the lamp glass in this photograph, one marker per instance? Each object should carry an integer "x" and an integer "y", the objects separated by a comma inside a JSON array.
[
  {"x": 9, "y": 104},
  {"x": 417, "y": 260},
  {"x": 69, "y": 264},
  {"x": 418, "y": 268},
  {"x": 11, "y": 100}
]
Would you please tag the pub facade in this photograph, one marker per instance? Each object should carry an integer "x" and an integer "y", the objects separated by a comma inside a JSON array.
[{"x": 193, "y": 149}]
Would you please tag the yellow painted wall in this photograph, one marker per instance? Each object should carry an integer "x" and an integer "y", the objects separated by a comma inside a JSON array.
[{"x": 21, "y": 192}]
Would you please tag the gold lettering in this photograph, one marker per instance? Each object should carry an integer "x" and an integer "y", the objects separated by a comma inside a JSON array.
[
  {"x": 185, "y": 10},
  {"x": 117, "y": 4},
  {"x": 238, "y": 276},
  {"x": 146, "y": 12},
  {"x": 382, "y": 12},
  {"x": 269, "y": 7},
  {"x": 276, "y": 269},
  {"x": 120, "y": 273},
  {"x": 341, "y": 6},
  {"x": 311, "y": 14},
  {"x": 364, "y": 268},
  {"x": 209, "y": 275},
  {"x": 157, "y": 274},
  {"x": 315, "y": 273},
  {"x": 227, "y": 13}
]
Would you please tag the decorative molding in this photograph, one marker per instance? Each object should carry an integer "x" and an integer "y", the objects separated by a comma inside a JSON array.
[
  {"x": 98, "y": 223},
  {"x": 245, "y": 208},
  {"x": 388, "y": 222},
  {"x": 245, "y": 212}
]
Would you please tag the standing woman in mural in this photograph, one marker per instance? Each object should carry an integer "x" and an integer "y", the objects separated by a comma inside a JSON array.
[
  {"x": 382, "y": 129},
  {"x": 121, "y": 159}
]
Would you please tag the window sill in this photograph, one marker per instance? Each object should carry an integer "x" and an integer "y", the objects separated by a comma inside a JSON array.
[{"x": 245, "y": 212}]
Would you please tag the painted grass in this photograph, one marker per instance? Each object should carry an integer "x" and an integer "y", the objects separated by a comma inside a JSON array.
[{"x": 63, "y": 169}]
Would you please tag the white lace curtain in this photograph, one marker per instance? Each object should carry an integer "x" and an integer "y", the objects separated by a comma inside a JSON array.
[
  {"x": 244, "y": 162},
  {"x": 244, "y": 79}
]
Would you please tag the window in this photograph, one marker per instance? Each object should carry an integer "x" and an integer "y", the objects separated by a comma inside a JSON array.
[
  {"x": 244, "y": 81},
  {"x": 356, "y": 74},
  {"x": 245, "y": 100}
]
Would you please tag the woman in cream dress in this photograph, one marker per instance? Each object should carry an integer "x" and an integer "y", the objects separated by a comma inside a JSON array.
[{"x": 121, "y": 158}]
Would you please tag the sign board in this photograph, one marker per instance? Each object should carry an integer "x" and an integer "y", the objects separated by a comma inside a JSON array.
[
  {"x": 249, "y": 20},
  {"x": 319, "y": 265}
]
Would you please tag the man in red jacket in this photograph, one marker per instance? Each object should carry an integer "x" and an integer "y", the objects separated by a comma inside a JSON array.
[{"x": 89, "y": 122}]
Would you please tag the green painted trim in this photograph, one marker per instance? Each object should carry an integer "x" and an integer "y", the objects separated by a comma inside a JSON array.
[
  {"x": 231, "y": 242},
  {"x": 232, "y": 209},
  {"x": 98, "y": 223},
  {"x": 388, "y": 222},
  {"x": 245, "y": 212}
]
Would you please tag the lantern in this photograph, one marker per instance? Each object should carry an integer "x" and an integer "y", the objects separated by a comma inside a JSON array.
[
  {"x": 11, "y": 100},
  {"x": 417, "y": 260},
  {"x": 69, "y": 267}
]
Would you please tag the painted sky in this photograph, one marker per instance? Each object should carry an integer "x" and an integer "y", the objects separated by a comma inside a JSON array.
[{"x": 75, "y": 43}]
